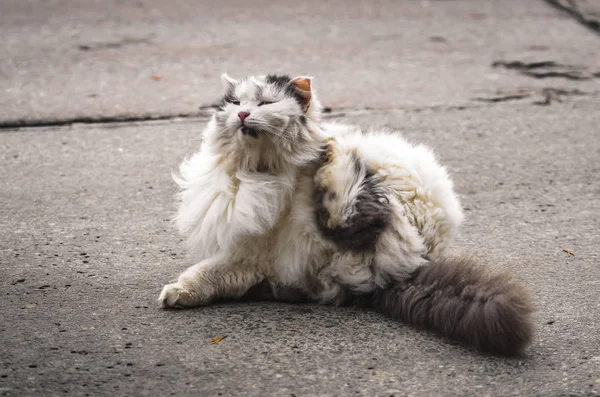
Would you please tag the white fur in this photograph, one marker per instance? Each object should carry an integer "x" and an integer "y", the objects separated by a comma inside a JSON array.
[{"x": 246, "y": 226}]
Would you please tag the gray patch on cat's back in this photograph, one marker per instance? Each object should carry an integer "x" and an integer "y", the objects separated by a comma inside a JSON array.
[{"x": 373, "y": 215}]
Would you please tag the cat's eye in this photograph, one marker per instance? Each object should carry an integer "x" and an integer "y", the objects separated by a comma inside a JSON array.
[
  {"x": 237, "y": 103},
  {"x": 265, "y": 103}
]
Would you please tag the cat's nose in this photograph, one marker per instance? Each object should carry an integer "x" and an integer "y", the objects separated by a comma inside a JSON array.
[{"x": 243, "y": 115}]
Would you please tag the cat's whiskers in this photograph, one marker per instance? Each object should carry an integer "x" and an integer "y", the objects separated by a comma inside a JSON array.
[{"x": 270, "y": 128}]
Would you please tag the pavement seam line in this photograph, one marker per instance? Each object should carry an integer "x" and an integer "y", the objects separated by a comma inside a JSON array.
[
  {"x": 23, "y": 123},
  {"x": 11, "y": 125},
  {"x": 206, "y": 112}
]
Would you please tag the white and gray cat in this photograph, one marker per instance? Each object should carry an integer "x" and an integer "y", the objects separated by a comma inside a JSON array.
[{"x": 278, "y": 204}]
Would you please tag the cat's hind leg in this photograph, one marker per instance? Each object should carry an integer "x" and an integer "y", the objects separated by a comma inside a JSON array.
[{"x": 207, "y": 281}]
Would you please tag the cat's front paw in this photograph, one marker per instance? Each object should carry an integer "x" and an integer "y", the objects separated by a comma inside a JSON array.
[{"x": 176, "y": 296}]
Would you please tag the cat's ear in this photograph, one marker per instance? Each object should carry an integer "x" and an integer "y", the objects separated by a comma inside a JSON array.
[
  {"x": 303, "y": 88},
  {"x": 228, "y": 82}
]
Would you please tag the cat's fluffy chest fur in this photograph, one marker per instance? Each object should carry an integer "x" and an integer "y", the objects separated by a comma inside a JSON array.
[{"x": 278, "y": 204}]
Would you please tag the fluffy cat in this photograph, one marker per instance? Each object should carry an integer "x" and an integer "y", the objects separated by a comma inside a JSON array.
[{"x": 278, "y": 204}]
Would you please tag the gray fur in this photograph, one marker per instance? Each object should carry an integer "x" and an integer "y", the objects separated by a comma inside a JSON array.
[
  {"x": 284, "y": 84},
  {"x": 373, "y": 215},
  {"x": 464, "y": 302}
]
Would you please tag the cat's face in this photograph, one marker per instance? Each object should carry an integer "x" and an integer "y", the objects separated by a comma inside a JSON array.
[
  {"x": 264, "y": 104},
  {"x": 267, "y": 114}
]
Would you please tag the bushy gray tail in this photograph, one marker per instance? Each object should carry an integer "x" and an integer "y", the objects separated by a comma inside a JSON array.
[{"x": 463, "y": 302}]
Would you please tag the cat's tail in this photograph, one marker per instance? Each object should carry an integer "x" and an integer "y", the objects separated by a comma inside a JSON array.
[{"x": 463, "y": 302}]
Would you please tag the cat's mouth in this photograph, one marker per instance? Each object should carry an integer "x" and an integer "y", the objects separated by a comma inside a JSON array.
[{"x": 249, "y": 131}]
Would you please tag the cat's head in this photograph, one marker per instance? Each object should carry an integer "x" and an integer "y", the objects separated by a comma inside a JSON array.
[{"x": 269, "y": 118}]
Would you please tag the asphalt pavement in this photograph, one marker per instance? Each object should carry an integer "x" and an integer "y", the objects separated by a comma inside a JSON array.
[{"x": 507, "y": 93}]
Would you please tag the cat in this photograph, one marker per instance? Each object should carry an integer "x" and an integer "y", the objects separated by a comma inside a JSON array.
[{"x": 278, "y": 204}]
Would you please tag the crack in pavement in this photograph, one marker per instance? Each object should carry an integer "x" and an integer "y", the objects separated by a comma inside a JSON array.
[
  {"x": 24, "y": 123},
  {"x": 588, "y": 18},
  {"x": 113, "y": 44},
  {"x": 548, "y": 94},
  {"x": 502, "y": 98},
  {"x": 549, "y": 69}
]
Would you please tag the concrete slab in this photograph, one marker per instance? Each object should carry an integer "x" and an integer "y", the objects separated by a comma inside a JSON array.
[
  {"x": 107, "y": 59},
  {"x": 87, "y": 243}
]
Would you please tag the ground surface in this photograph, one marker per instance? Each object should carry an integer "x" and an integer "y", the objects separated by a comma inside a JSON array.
[{"x": 86, "y": 241}]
